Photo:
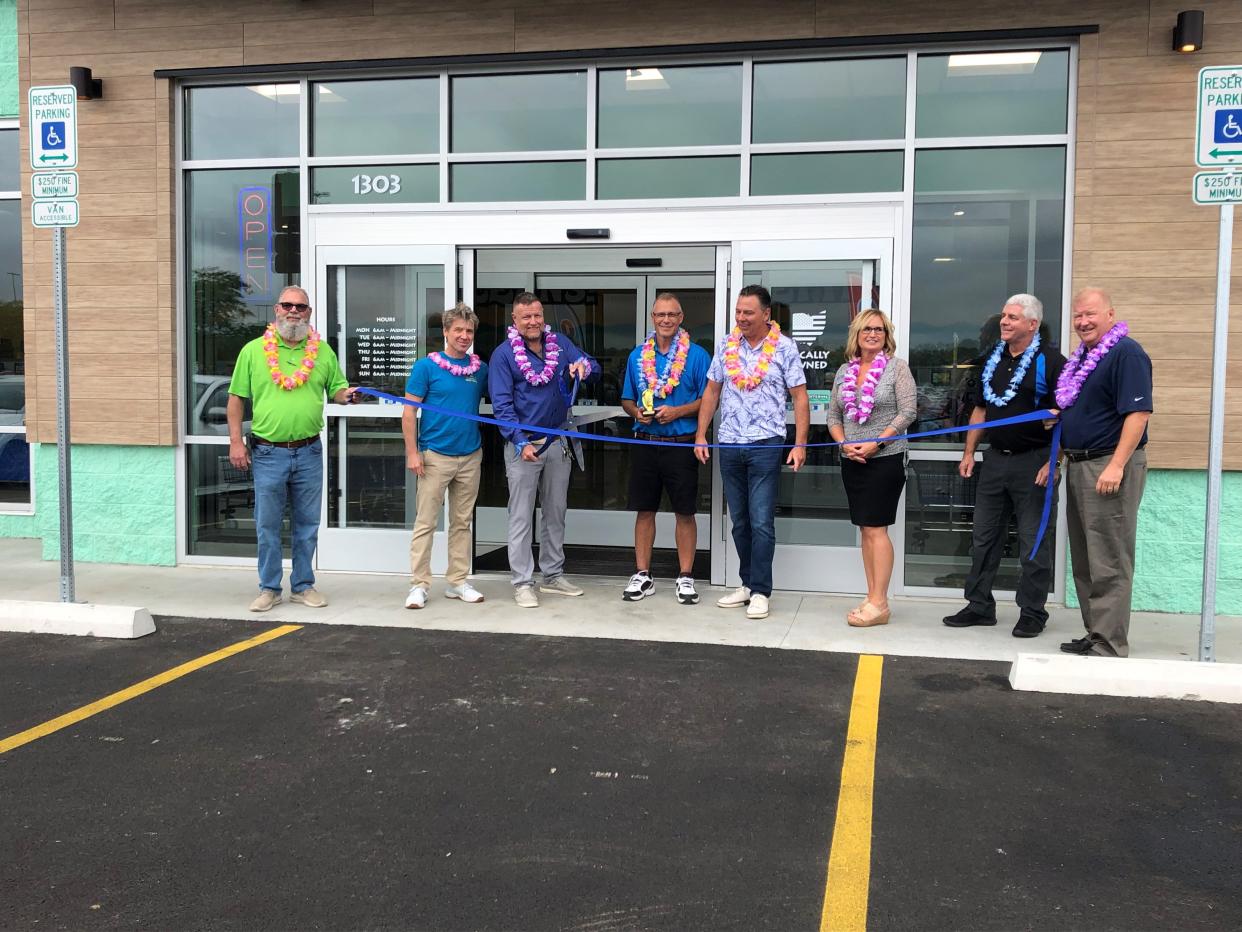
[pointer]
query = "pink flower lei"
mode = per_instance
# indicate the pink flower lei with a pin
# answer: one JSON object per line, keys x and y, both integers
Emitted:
{"x": 552, "y": 355}
{"x": 1077, "y": 368}
{"x": 272, "y": 355}
{"x": 449, "y": 366}
{"x": 858, "y": 400}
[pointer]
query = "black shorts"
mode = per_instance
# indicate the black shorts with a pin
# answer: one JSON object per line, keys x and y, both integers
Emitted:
{"x": 654, "y": 470}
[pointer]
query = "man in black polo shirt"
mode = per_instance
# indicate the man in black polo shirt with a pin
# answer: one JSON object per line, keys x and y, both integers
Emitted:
{"x": 1105, "y": 402}
{"x": 1019, "y": 377}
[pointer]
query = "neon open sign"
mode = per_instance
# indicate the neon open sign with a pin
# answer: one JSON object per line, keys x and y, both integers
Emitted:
{"x": 254, "y": 228}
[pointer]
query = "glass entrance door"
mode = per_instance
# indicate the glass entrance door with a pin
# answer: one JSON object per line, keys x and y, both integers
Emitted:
{"x": 376, "y": 305}
{"x": 817, "y": 288}
{"x": 601, "y": 299}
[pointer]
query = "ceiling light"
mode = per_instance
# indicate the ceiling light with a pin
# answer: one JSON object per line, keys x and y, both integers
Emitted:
{"x": 985, "y": 63}
{"x": 943, "y": 259}
{"x": 959, "y": 213}
{"x": 644, "y": 79}
{"x": 275, "y": 91}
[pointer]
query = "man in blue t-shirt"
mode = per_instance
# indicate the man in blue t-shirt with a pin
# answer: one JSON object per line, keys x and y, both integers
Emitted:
{"x": 1103, "y": 432}
{"x": 662, "y": 393}
{"x": 445, "y": 453}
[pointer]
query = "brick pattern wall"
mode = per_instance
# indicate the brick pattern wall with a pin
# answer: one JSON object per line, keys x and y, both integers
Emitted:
{"x": 1137, "y": 232}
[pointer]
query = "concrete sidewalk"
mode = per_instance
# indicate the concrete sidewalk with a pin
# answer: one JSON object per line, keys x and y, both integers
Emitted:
{"x": 799, "y": 621}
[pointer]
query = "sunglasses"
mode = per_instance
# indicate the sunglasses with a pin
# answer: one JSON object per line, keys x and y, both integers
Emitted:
{"x": 288, "y": 306}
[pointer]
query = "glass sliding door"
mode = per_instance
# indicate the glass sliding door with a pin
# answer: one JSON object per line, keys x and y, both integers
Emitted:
{"x": 817, "y": 288}
{"x": 379, "y": 307}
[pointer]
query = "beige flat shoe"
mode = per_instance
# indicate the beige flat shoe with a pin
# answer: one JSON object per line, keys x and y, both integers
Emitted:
{"x": 867, "y": 616}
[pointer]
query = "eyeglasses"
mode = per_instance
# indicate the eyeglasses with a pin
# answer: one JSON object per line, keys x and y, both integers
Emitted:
{"x": 666, "y": 315}
{"x": 879, "y": 330}
{"x": 288, "y": 306}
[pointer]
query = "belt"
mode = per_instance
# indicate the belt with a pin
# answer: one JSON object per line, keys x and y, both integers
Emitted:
{"x": 680, "y": 438}
{"x": 1016, "y": 452}
{"x": 287, "y": 444}
{"x": 1078, "y": 456}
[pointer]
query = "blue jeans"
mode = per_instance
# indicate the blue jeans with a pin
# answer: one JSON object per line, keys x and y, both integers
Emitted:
{"x": 751, "y": 481}
{"x": 295, "y": 477}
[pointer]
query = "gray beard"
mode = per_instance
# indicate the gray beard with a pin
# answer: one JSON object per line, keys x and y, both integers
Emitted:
{"x": 292, "y": 332}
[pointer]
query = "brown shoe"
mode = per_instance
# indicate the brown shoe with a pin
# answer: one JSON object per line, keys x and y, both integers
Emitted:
{"x": 311, "y": 598}
{"x": 868, "y": 616}
{"x": 266, "y": 600}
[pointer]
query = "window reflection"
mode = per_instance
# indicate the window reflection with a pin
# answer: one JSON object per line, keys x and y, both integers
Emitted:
{"x": 992, "y": 93}
{"x": 818, "y": 101}
{"x": 242, "y": 248}
{"x": 256, "y": 121}
{"x": 699, "y": 105}
{"x": 389, "y": 117}
{"x": 14, "y": 451}
{"x": 988, "y": 223}
{"x": 519, "y": 112}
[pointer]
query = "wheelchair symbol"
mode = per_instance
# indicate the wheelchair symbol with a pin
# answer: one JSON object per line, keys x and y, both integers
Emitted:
{"x": 1228, "y": 129}
{"x": 54, "y": 135}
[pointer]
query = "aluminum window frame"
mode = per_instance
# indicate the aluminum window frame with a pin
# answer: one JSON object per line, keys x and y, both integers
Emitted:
{"x": 16, "y": 508}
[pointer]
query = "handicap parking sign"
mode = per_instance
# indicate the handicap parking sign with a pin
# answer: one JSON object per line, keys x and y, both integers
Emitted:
{"x": 1228, "y": 126}
{"x": 54, "y": 135}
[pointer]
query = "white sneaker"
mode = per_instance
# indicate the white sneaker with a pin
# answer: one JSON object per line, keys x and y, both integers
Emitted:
{"x": 735, "y": 599}
{"x": 417, "y": 597}
{"x": 525, "y": 597}
{"x": 758, "y": 607}
{"x": 685, "y": 591}
{"x": 641, "y": 585}
{"x": 560, "y": 586}
{"x": 465, "y": 592}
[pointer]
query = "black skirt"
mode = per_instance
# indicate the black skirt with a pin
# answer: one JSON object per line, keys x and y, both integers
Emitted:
{"x": 874, "y": 488}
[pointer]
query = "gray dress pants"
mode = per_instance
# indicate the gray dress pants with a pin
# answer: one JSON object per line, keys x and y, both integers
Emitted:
{"x": 1102, "y": 531}
{"x": 547, "y": 477}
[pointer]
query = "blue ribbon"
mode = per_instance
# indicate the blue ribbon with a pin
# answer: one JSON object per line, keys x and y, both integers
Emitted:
{"x": 1041, "y": 415}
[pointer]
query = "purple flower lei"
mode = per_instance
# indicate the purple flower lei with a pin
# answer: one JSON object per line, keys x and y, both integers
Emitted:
{"x": 859, "y": 400}
{"x": 551, "y": 356}
{"x": 448, "y": 366}
{"x": 1077, "y": 368}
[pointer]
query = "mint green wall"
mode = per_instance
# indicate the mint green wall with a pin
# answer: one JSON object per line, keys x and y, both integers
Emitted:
{"x": 8, "y": 58}
{"x": 1168, "y": 570}
{"x": 124, "y": 504}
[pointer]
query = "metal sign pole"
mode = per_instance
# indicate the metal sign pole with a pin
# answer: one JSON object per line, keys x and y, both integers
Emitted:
{"x": 62, "y": 416}
{"x": 1216, "y": 436}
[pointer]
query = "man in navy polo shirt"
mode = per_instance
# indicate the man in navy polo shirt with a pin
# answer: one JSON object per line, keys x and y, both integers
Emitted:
{"x": 445, "y": 453}
{"x": 529, "y": 382}
{"x": 1104, "y": 394}
{"x": 664, "y": 382}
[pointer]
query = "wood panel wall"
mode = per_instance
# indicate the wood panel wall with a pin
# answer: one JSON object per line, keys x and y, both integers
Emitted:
{"x": 1136, "y": 230}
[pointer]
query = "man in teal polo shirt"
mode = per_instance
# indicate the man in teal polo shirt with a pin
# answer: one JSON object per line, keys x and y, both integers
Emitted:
{"x": 286, "y": 374}
{"x": 664, "y": 382}
{"x": 446, "y": 454}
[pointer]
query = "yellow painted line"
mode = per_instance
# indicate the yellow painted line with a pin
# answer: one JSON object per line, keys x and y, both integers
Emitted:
{"x": 849, "y": 863}
{"x": 132, "y": 692}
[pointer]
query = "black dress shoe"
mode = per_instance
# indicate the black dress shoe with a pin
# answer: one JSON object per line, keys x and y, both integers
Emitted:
{"x": 1077, "y": 646}
{"x": 1028, "y": 626}
{"x": 967, "y": 618}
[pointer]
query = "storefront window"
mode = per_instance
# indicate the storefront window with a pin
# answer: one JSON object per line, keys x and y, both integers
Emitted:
{"x": 827, "y": 101}
{"x": 242, "y": 248}
{"x": 257, "y": 121}
{"x": 825, "y": 173}
{"x": 518, "y": 181}
{"x": 14, "y": 451}
{"x": 988, "y": 223}
{"x": 689, "y": 106}
{"x": 992, "y": 93}
{"x": 519, "y": 112}
{"x": 714, "y": 176}
{"x": 392, "y": 117}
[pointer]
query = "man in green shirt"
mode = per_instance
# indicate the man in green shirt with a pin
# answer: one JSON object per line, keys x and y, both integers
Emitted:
{"x": 286, "y": 374}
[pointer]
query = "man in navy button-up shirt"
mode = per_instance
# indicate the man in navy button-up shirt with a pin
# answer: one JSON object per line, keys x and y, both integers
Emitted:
{"x": 529, "y": 386}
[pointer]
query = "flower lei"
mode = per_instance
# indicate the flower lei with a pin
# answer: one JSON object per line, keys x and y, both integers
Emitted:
{"x": 449, "y": 366}
{"x": 299, "y": 378}
{"x": 1076, "y": 370}
{"x": 1018, "y": 374}
{"x": 859, "y": 400}
{"x": 742, "y": 380}
{"x": 662, "y": 386}
{"x": 551, "y": 355}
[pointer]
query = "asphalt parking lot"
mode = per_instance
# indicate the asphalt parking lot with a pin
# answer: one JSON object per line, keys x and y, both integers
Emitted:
{"x": 351, "y": 778}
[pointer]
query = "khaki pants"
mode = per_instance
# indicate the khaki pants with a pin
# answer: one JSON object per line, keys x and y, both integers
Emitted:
{"x": 1102, "y": 530}
{"x": 460, "y": 476}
